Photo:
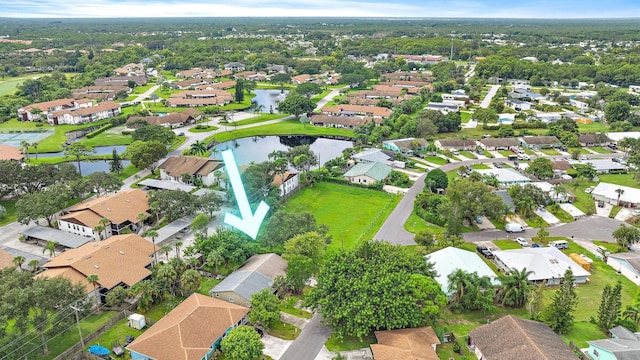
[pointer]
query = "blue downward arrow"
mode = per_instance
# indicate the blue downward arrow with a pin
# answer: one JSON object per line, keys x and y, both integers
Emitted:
{"x": 248, "y": 223}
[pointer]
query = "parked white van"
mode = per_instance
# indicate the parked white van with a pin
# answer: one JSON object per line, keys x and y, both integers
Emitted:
{"x": 513, "y": 227}
{"x": 559, "y": 244}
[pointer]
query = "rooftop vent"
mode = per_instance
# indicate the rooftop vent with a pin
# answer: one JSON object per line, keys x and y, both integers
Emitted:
{"x": 96, "y": 266}
{"x": 122, "y": 252}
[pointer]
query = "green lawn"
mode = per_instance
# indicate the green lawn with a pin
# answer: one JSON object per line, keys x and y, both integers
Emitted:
{"x": 349, "y": 343}
{"x": 10, "y": 215}
{"x": 487, "y": 154}
{"x": 288, "y": 306}
{"x": 593, "y": 127}
{"x": 581, "y": 150}
{"x": 416, "y": 224}
{"x": 549, "y": 152}
{"x": 283, "y": 330}
{"x": 505, "y": 153}
{"x": 560, "y": 214}
{"x": 68, "y": 339}
{"x": 9, "y": 84}
{"x": 319, "y": 97}
{"x": 468, "y": 154}
{"x": 619, "y": 179}
{"x": 352, "y": 213}
{"x": 536, "y": 221}
{"x": 141, "y": 89}
{"x": 289, "y": 127}
{"x": 260, "y": 118}
{"x": 465, "y": 116}
{"x": 583, "y": 200}
{"x": 614, "y": 211}
{"x": 507, "y": 244}
{"x": 118, "y": 333}
{"x": 435, "y": 160}
{"x": 207, "y": 129}
{"x": 601, "y": 150}
{"x": 107, "y": 139}
{"x": 480, "y": 166}
{"x": 206, "y": 284}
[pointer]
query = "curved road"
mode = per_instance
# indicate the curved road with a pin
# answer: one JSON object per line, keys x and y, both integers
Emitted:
{"x": 393, "y": 230}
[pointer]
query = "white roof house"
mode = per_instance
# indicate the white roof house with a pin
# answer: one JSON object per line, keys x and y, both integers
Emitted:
{"x": 549, "y": 189}
{"x": 506, "y": 177}
{"x": 617, "y": 136}
{"x": 607, "y": 192}
{"x": 450, "y": 259}
{"x": 546, "y": 263}
{"x": 602, "y": 166}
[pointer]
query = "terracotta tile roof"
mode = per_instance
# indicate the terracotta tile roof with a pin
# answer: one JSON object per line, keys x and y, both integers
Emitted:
{"x": 403, "y": 344}
{"x": 118, "y": 207}
{"x": 223, "y": 85}
{"x": 118, "y": 259}
{"x": 45, "y": 106}
{"x": 373, "y": 110}
{"x": 277, "y": 179}
{"x": 8, "y": 152}
{"x": 192, "y": 165}
{"x": 86, "y": 218}
{"x": 341, "y": 120}
{"x": 189, "y": 330}
{"x": 172, "y": 118}
{"x": 301, "y": 78}
{"x": 6, "y": 260}
{"x": 514, "y": 338}
{"x": 70, "y": 273}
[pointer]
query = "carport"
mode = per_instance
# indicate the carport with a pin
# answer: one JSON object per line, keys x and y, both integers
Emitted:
{"x": 165, "y": 185}
{"x": 66, "y": 239}
{"x": 166, "y": 232}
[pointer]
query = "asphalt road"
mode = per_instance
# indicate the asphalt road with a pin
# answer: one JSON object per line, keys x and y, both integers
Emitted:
{"x": 588, "y": 228}
{"x": 310, "y": 341}
{"x": 393, "y": 228}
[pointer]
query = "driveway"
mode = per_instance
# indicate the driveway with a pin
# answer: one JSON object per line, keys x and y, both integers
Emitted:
{"x": 274, "y": 346}
{"x": 624, "y": 214}
{"x": 548, "y": 217}
{"x": 310, "y": 341}
{"x": 486, "y": 224}
{"x": 603, "y": 211}
{"x": 487, "y": 99}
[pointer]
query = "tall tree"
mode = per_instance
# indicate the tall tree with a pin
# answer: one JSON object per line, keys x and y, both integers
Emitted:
{"x": 626, "y": 236}
{"x": 296, "y": 105}
{"x": 18, "y": 261}
{"x": 78, "y": 151}
{"x": 146, "y": 154}
{"x": 610, "y": 306}
{"x": 153, "y": 234}
{"x": 93, "y": 280}
{"x": 198, "y": 148}
{"x": 242, "y": 343}
{"x": 515, "y": 288}
{"x": 265, "y": 308}
{"x": 559, "y": 314}
{"x": 354, "y": 293}
{"x": 542, "y": 168}
{"x": 535, "y": 300}
{"x": 239, "y": 94}
{"x": 115, "y": 164}
{"x": 471, "y": 292}
{"x": 161, "y": 134}
{"x": 436, "y": 179}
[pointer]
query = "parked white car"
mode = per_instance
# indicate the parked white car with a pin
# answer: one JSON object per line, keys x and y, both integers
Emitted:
{"x": 522, "y": 241}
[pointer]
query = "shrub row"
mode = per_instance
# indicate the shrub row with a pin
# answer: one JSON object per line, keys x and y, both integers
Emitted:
{"x": 100, "y": 130}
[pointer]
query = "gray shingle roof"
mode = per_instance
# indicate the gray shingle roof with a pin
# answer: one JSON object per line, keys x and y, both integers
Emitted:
{"x": 254, "y": 275}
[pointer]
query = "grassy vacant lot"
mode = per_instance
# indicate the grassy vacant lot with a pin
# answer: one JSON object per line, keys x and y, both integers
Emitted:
{"x": 593, "y": 127}
{"x": 619, "y": 179}
{"x": 10, "y": 215}
{"x": 289, "y": 127}
{"x": 352, "y": 213}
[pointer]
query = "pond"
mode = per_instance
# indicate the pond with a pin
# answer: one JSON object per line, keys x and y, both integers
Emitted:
{"x": 256, "y": 149}
{"x": 89, "y": 167}
{"x": 269, "y": 99}
{"x": 98, "y": 150}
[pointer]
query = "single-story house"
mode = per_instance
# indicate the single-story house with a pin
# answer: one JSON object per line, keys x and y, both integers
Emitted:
{"x": 617, "y": 136}
{"x": 518, "y": 105}
{"x": 386, "y": 157}
{"x": 539, "y": 142}
{"x": 598, "y": 139}
{"x": 287, "y": 183}
{"x": 191, "y": 331}
{"x": 455, "y": 144}
{"x": 461, "y": 97}
{"x": 450, "y": 259}
{"x": 256, "y": 274}
{"x": 175, "y": 167}
{"x": 121, "y": 209}
{"x": 602, "y": 166}
{"x": 561, "y": 166}
{"x": 623, "y": 345}
{"x": 367, "y": 173}
{"x": 506, "y": 199}
{"x": 8, "y": 152}
{"x": 402, "y": 344}
{"x": 461, "y": 104}
{"x": 506, "y": 177}
{"x": 407, "y": 146}
{"x": 172, "y": 120}
{"x": 627, "y": 264}
{"x": 547, "y": 263}
{"x": 514, "y": 338}
{"x": 608, "y": 193}
{"x": 444, "y": 108}
{"x": 581, "y": 105}
{"x": 494, "y": 144}
{"x": 339, "y": 121}
{"x": 548, "y": 117}
{"x": 550, "y": 190}
{"x": 119, "y": 260}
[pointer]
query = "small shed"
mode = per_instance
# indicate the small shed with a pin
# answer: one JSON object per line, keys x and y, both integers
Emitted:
{"x": 137, "y": 321}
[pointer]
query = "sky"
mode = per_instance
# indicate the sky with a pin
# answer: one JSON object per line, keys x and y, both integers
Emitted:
{"x": 322, "y": 8}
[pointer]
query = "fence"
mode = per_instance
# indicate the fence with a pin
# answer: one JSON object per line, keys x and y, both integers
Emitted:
{"x": 73, "y": 351}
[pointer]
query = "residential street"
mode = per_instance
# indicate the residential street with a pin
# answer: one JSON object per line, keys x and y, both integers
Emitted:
{"x": 309, "y": 342}
{"x": 393, "y": 228}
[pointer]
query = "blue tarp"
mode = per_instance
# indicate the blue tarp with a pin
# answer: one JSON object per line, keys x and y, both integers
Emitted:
{"x": 98, "y": 350}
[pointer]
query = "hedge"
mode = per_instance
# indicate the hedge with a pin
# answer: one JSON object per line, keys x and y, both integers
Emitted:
{"x": 100, "y": 130}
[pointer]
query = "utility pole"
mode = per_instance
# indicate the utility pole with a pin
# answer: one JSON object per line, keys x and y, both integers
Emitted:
{"x": 453, "y": 34}
{"x": 78, "y": 322}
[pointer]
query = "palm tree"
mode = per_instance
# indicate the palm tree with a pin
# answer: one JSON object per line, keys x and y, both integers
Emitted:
{"x": 18, "y": 261}
{"x": 559, "y": 192}
{"x": 34, "y": 264}
{"x": 25, "y": 149}
{"x": 35, "y": 146}
{"x": 51, "y": 247}
{"x": 78, "y": 151}
{"x": 166, "y": 249}
{"x": 215, "y": 258}
{"x": 177, "y": 245}
{"x": 153, "y": 234}
{"x": 93, "y": 280}
{"x": 526, "y": 205}
{"x": 141, "y": 217}
{"x": 198, "y": 148}
{"x": 459, "y": 280}
{"x": 98, "y": 229}
{"x": 104, "y": 222}
{"x": 515, "y": 287}
{"x": 619, "y": 192}
{"x": 155, "y": 207}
